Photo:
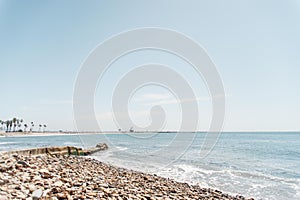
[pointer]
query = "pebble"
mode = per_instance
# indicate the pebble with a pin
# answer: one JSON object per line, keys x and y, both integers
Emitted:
{"x": 37, "y": 194}
{"x": 58, "y": 184}
{"x": 73, "y": 177}
{"x": 21, "y": 162}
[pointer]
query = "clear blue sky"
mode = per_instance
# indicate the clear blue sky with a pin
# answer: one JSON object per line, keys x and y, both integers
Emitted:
{"x": 255, "y": 45}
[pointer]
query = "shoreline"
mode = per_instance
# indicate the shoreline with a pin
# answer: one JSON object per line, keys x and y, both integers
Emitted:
{"x": 27, "y": 134}
{"x": 76, "y": 177}
{"x": 59, "y": 133}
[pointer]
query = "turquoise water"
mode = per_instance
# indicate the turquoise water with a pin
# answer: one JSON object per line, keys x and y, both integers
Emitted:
{"x": 259, "y": 165}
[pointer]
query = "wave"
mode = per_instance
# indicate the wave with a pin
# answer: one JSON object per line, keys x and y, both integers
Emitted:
{"x": 121, "y": 148}
{"x": 250, "y": 183}
{"x": 72, "y": 143}
{"x": 1, "y": 143}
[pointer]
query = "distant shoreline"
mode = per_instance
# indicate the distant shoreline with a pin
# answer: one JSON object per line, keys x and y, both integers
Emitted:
{"x": 53, "y": 133}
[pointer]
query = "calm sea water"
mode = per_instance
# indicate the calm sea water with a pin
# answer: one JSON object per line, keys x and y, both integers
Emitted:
{"x": 259, "y": 165}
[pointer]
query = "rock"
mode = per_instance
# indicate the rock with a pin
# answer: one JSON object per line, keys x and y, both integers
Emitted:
{"x": 72, "y": 177}
{"x": 21, "y": 195}
{"x": 26, "y": 191}
{"x": 102, "y": 146}
{"x": 46, "y": 192}
{"x": 31, "y": 187}
{"x": 2, "y": 182}
{"x": 3, "y": 197}
{"x": 2, "y": 169}
{"x": 103, "y": 185}
{"x": 21, "y": 162}
{"x": 37, "y": 194}
{"x": 44, "y": 171}
{"x": 58, "y": 183}
{"x": 62, "y": 195}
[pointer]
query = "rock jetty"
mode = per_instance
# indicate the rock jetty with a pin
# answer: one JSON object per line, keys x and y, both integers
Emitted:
{"x": 75, "y": 177}
{"x": 65, "y": 150}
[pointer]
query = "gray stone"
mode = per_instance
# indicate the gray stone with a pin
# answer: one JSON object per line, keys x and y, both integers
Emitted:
{"x": 37, "y": 194}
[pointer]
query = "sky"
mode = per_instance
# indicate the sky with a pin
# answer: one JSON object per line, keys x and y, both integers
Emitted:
{"x": 254, "y": 44}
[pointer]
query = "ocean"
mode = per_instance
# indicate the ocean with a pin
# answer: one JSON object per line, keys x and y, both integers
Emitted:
{"x": 262, "y": 165}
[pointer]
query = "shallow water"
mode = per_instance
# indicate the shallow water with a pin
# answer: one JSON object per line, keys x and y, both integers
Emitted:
{"x": 259, "y": 165}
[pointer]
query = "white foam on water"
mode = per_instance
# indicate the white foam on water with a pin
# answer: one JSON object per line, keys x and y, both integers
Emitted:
{"x": 121, "y": 148}
{"x": 1, "y": 143}
{"x": 72, "y": 143}
{"x": 232, "y": 181}
{"x": 297, "y": 189}
{"x": 249, "y": 184}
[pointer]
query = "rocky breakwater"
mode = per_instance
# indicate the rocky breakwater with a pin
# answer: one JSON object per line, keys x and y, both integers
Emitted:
{"x": 65, "y": 150}
{"x": 75, "y": 177}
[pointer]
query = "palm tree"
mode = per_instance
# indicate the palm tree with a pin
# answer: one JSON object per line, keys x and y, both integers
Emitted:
{"x": 20, "y": 125}
{"x": 44, "y": 127}
{"x": 14, "y": 123}
{"x": 17, "y": 124}
{"x": 32, "y": 125}
{"x": 10, "y": 123}
{"x": 40, "y": 127}
{"x": 7, "y": 125}
{"x": 25, "y": 127}
{"x": 2, "y": 124}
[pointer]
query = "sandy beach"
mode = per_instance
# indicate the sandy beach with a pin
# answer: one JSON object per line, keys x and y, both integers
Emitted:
{"x": 74, "y": 177}
{"x": 16, "y": 134}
